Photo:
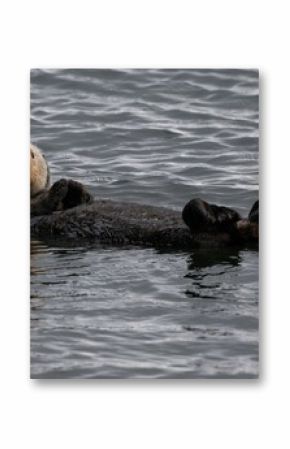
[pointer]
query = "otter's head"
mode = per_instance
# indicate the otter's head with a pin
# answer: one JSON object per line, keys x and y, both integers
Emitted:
{"x": 39, "y": 173}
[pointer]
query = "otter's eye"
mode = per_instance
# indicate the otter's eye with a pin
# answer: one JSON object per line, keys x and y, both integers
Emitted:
{"x": 32, "y": 154}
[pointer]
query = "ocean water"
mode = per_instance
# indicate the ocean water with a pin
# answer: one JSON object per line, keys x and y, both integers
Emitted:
{"x": 155, "y": 137}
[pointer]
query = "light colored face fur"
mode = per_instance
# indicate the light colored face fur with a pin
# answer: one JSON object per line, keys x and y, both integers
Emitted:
{"x": 39, "y": 174}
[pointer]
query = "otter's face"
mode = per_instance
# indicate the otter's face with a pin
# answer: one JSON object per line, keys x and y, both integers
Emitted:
{"x": 39, "y": 175}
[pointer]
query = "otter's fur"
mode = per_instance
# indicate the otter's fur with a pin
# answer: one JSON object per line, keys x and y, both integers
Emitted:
{"x": 67, "y": 210}
{"x": 63, "y": 194}
{"x": 118, "y": 223}
{"x": 39, "y": 172}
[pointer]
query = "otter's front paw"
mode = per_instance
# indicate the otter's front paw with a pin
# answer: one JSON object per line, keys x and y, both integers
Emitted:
{"x": 57, "y": 194}
{"x": 76, "y": 195}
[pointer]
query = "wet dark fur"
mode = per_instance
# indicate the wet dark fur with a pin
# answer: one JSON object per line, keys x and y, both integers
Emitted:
{"x": 68, "y": 211}
{"x": 64, "y": 194}
{"x": 199, "y": 215}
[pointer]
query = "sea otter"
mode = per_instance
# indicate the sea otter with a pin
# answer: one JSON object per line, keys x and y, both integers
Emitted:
{"x": 61, "y": 196}
{"x": 67, "y": 210}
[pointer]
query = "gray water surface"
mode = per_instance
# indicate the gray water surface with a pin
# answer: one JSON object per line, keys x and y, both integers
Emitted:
{"x": 155, "y": 137}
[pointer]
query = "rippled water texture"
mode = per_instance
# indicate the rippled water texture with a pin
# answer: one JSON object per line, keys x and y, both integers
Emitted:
{"x": 156, "y": 137}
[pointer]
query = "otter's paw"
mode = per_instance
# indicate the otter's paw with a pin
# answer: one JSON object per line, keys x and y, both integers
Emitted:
{"x": 201, "y": 216}
{"x": 225, "y": 217}
{"x": 76, "y": 195}
{"x": 198, "y": 215}
{"x": 57, "y": 194}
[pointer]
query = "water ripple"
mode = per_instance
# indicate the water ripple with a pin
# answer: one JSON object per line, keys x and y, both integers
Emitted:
{"x": 150, "y": 136}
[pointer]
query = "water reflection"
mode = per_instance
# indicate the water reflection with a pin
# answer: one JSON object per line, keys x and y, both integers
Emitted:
{"x": 208, "y": 257}
{"x": 191, "y": 313}
{"x": 207, "y": 269}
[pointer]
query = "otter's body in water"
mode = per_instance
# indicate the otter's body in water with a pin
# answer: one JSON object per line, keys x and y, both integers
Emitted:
{"x": 115, "y": 223}
{"x": 119, "y": 223}
{"x": 68, "y": 211}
